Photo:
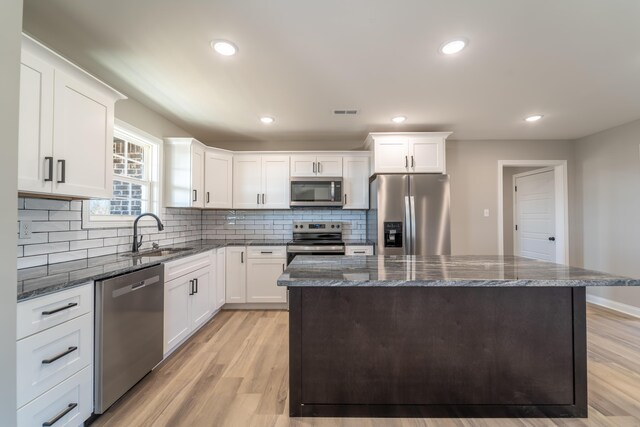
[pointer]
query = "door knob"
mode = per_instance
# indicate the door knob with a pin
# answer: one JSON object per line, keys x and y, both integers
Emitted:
{"x": 553, "y": 239}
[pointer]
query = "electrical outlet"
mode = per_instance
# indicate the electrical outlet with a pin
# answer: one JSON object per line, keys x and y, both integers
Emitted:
{"x": 25, "y": 229}
{"x": 486, "y": 212}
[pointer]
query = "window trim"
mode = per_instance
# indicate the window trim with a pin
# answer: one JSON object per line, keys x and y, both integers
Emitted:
{"x": 129, "y": 132}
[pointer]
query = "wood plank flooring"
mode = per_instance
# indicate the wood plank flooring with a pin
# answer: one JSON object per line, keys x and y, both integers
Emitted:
{"x": 233, "y": 372}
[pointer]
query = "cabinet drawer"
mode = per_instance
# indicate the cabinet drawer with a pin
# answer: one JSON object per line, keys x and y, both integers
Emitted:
{"x": 358, "y": 250}
{"x": 44, "y": 312}
{"x": 266, "y": 252}
{"x": 180, "y": 267}
{"x": 50, "y": 357}
{"x": 71, "y": 400}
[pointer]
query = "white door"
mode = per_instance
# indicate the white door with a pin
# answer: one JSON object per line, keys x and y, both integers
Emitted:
{"x": 426, "y": 154}
{"x": 535, "y": 215}
{"x": 200, "y": 308}
{"x": 329, "y": 166}
{"x": 220, "y": 278}
{"x": 275, "y": 182}
{"x": 218, "y": 173}
{"x": 391, "y": 155}
{"x": 82, "y": 140}
{"x": 236, "y": 274}
{"x": 262, "y": 276}
{"x": 247, "y": 178}
{"x": 197, "y": 176}
{"x": 303, "y": 165}
{"x": 177, "y": 324}
{"x": 356, "y": 182}
{"x": 35, "y": 145}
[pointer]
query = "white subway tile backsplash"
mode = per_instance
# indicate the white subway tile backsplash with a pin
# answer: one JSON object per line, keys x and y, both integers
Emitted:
{"x": 58, "y": 235}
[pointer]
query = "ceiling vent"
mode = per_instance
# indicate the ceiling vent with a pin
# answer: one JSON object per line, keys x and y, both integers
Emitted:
{"x": 352, "y": 112}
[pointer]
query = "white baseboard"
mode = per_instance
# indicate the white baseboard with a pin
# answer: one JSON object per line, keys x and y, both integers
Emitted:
{"x": 614, "y": 305}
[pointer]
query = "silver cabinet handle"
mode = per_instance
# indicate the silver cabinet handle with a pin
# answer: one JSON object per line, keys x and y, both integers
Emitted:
{"x": 63, "y": 171}
{"x": 207, "y": 197}
{"x": 195, "y": 195}
{"x": 314, "y": 167}
{"x": 406, "y": 161}
{"x": 359, "y": 252}
{"x": 412, "y": 162}
{"x": 319, "y": 166}
{"x": 242, "y": 257}
{"x": 56, "y": 310}
{"x": 57, "y": 418}
{"x": 263, "y": 198}
{"x": 266, "y": 252}
{"x": 191, "y": 292}
{"x": 258, "y": 199}
{"x": 50, "y": 173}
{"x": 345, "y": 198}
{"x": 283, "y": 268}
{"x": 195, "y": 282}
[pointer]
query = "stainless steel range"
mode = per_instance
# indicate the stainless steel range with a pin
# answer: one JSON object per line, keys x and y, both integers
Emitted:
{"x": 315, "y": 238}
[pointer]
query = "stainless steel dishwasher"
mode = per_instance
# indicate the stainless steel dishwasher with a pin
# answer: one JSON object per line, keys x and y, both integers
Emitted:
{"x": 128, "y": 332}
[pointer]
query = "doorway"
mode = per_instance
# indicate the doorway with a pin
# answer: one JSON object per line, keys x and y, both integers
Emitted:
{"x": 556, "y": 250}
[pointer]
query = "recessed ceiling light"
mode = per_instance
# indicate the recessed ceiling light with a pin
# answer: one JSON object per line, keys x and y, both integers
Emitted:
{"x": 453, "y": 46}
{"x": 224, "y": 47}
{"x": 533, "y": 118}
{"x": 267, "y": 120}
{"x": 398, "y": 119}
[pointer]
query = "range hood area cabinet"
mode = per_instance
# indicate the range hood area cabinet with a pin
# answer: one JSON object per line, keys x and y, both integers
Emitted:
{"x": 66, "y": 127}
{"x": 261, "y": 181}
{"x": 196, "y": 176}
{"x": 408, "y": 152}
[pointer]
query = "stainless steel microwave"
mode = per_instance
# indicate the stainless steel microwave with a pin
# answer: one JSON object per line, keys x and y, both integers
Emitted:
{"x": 319, "y": 192}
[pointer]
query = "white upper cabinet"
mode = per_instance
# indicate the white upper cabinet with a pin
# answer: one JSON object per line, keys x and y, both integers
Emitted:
{"x": 261, "y": 182}
{"x": 218, "y": 176}
{"x": 356, "y": 182}
{"x": 247, "y": 177}
{"x": 312, "y": 165}
{"x": 184, "y": 174}
{"x": 66, "y": 127}
{"x": 408, "y": 152}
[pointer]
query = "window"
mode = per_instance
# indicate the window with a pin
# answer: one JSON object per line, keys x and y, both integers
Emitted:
{"x": 135, "y": 179}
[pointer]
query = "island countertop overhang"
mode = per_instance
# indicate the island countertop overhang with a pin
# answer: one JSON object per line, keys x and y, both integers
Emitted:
{"x": 440, "y": 271}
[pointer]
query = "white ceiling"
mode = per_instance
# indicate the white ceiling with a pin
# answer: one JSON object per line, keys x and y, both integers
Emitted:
{"x": 575, "y": 61}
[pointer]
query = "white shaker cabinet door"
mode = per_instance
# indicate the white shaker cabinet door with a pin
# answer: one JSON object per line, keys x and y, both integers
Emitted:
{"x": 329, "y": 166}
{"x": 275, "y": 182}
{"x": 218, "y": 173}
{"x": 426, "y": 155}
{"x": 236, "y": 274}
{"x": 356, "y": 183}
{"x": 177, "y": 324}
{"x": 303, "y": 166}
{"x": 197, "y": 176}
{"x": 262, "y": 276}
{"x": 82, "y": 139}
{"x": 247, "y": 178}
{"x": 391, "y": 155}
{"x": 200, "y": 288}
{"x": 35, "y": 147}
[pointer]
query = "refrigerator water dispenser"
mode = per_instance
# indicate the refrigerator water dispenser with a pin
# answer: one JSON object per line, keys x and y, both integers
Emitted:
{"x": 392, "y": 234}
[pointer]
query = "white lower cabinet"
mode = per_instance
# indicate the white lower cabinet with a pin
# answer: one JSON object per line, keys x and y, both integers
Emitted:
{"x": 187, "y": 303}
{"x": 54, "y": 371}
{"x": 252, "y": 274}
{"x": 236, "y": 274}
{"x": 69, "y": 403}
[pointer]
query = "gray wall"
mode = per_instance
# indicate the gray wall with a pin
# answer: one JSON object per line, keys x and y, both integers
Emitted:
{"x": 473, "y": 166}
{"x": 608, "y": 206}
{"x": 10, "y": 27}
{"x": 138, "y": 115}
{"x": 507, "y": 192}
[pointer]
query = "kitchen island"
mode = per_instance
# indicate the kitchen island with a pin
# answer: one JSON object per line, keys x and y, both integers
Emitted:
{"x": 438, "y": 336}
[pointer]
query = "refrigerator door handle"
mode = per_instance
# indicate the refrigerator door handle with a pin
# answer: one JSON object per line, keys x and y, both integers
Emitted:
{"x": 412, "y": 202}
{"x": 407, "y": 226}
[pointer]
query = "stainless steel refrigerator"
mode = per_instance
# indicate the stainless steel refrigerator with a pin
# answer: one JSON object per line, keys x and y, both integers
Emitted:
{"x": 409, "y": 214}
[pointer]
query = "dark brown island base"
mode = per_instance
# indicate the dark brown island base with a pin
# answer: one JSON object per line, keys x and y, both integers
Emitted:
{"x": 438, "y": 336}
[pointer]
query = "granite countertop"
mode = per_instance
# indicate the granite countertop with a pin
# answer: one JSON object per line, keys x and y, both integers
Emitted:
{"x": 451, "y": 270}
{"x": 37, "y": 281}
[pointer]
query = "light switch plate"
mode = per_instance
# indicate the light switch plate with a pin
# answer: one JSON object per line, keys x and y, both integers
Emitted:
{"x": 486, "y": 212}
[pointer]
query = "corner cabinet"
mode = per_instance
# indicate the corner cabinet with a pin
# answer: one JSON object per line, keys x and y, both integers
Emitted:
{"x": 65, "y": 125}
{"x": 408, "y": 152}
{"x": 261, "y": 182}
{"x": 252, "y": 273}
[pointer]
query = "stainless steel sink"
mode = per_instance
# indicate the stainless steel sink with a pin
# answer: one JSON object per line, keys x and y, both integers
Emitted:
{"x": 157, "y": 252}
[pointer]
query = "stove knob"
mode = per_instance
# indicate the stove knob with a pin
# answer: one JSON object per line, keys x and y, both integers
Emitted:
{"x": 333, "y": 226}
{"x": 338, "y": 225}
{"x": 295, "y": 226}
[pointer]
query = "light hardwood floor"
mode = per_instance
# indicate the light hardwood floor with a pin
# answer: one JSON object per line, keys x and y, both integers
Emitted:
{"x": 233, "y": 372}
